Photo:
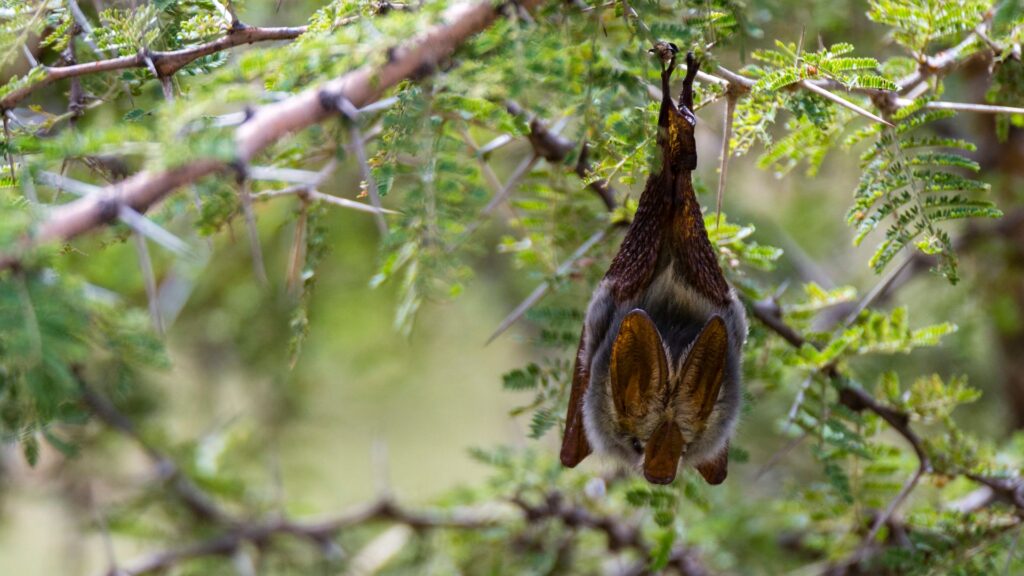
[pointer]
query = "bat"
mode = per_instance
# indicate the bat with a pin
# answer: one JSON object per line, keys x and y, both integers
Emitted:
{"x": 656, "y": 383}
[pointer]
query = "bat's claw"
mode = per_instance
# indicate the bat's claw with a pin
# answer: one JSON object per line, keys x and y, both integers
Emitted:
{"x": 664, "y": 50}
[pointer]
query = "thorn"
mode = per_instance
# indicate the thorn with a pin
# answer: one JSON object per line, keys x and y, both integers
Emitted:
{"x": 298, "y": 251}
{"x": 152, "y": 230}
{"x": 133, "y": 219}
{"x": 292, "y": 175}
{"x": 964, "y": 107}
{"x": 843, "y": 102}
{"x": 520, "y": 171}
{"x": 346, "y": 203}
{"x": 356, "y": 142}
{"x": 543, "y": 288}
{"x": 149, "y": 280}
{"x": 730, "y": 109}
{"x": 254, "y": 235}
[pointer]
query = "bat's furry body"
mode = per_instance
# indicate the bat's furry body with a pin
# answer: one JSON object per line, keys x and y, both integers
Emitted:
{"x": 666, "y": 268}
{"x": 679, "y": 312}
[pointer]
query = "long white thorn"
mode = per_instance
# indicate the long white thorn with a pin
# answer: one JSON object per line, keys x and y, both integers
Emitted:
{"x": 346, "y": 203}
{"x": 149, "y": 280}
{"x": 843, "y": 102}
{"x": 254, "y": 235}
{"x": 730, "y": 109}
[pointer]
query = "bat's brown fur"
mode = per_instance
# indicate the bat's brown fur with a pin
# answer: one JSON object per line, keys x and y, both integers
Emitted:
{"x": 667, "y": 268}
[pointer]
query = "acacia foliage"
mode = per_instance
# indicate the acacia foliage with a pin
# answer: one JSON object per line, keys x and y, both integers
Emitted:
{"x": 430, "y": 158}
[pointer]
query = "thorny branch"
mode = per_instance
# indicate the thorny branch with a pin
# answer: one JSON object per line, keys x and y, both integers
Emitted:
{"x": 360, "y": 88}
{"x": 319, "y": 533}
{"x": 234, "y": 533}
{"x": 1010, "y": 490}
{"x": 620, "y": 535}
{"x": 193, "y": 497}
{"x": 164, "y": 64}
{"x": 269, "y": 123}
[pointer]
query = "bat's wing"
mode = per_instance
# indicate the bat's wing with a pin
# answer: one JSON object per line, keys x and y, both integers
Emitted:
{"x": 715, "y": 470}
{"x": 575, "y": 446}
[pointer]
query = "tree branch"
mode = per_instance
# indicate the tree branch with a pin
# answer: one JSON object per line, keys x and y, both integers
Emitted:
{"x": 619, "y": 536}
{"x": 194, "y": 498}
{"x": 1010, "y": 490}
{"x": 319, "y": 532}
{"x": 555, "y": 149}
{"x": 164, "y": 63}
{"x": 411, "y": 59}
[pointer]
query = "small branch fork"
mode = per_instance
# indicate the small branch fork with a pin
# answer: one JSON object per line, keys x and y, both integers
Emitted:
{"x": 620, "y": 536}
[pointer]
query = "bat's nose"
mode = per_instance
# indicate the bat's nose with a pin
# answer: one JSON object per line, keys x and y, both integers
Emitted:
{"x": 655, "y": 479}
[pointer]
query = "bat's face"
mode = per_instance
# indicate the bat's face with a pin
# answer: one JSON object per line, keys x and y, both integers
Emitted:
{"x": 656, "y": 408}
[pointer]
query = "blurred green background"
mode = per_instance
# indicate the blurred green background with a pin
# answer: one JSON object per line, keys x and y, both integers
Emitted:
{"x": 365, "y": 404}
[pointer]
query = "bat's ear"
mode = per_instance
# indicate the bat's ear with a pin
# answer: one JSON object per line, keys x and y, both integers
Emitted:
{"x": 701, "y": 377}
{"x": 639, "y": 369}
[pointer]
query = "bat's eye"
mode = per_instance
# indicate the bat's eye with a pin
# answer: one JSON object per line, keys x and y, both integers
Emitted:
{"x": 638, "y": 447}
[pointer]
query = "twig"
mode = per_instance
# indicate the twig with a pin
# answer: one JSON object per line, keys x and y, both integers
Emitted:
{"x": 543, "y": 288}
{"x": 163, "y": 64}
{"x": 191, "y": 495}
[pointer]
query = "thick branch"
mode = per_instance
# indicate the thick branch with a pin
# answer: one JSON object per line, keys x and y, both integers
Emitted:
{"x": 319, "y": 532}
{"x": 411, "y": 59}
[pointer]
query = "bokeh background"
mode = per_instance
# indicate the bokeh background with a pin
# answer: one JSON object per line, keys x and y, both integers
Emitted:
{"x": 366, "y": 407}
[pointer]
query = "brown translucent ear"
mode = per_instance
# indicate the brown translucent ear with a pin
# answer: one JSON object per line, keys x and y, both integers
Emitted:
{"x": 575, "y": 446}
{"x": 662, "y": 453}
{"x": 639, "y": 369}
{"x": 704, "y": 369}
{"x": 715, "y": 470}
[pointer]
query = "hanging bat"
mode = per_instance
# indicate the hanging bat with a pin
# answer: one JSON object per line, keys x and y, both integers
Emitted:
{"x": 657, "y": 375}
